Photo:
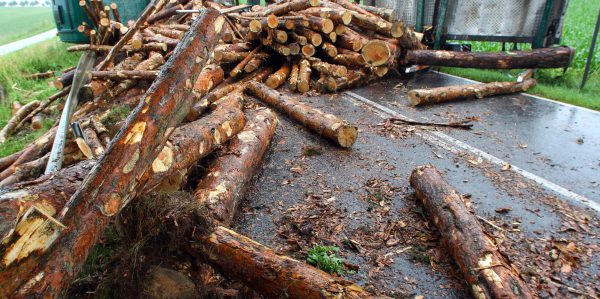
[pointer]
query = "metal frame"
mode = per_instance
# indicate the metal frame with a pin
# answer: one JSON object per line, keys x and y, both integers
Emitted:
{"x": 538, "y": 41}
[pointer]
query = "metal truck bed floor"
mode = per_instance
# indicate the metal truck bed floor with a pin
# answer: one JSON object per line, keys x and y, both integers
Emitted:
{"x": 310, "y": 192}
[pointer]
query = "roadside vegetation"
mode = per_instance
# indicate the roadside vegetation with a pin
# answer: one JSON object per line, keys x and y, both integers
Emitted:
{"x": 46, "y": 56}
{"x": 554, "y": 83}
{"x": 22, "y": 22}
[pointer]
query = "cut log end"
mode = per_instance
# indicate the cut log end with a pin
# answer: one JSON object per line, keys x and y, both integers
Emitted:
{"x": 347, "y": 135}
{"x": 376, "y": 52}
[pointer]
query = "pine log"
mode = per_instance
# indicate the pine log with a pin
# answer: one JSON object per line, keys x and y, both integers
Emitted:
{"x": 319, "y": 24}
{"x": 294, "y": 73}
{"x": 304, "y": 72}
{"x": 43, "y": 105}
{"x": 558, "y": 57}
{"x": 418, "y": 97}
{"x": 300, "y": 39}
{"x": 164, "y": 14}
{"x": 16, "y": 106}
{"x": 37, "y": 122}
{"x": 7, "y": 161}
{"x": 294, "y": 48}
{"x": 26, "y": 171}
{"x": 229, "y": 85}
{"x": 351, "y": 40}
{"x": 38, "y": 76}
{"x": 308, "y": 51}
{"x": 64, "y": 80}
{"x": 282, "y": 8}
{"x": 354, "y": 78}
{"x": 338, "y": 16}
{"x": 487, "y": 272}
{"x": 329, "y": 49}
{"x": 56, "y": 253}
{"x": 240, "y": 66}
{"x": 170, "y": 42}
{"x": 385, "y": 13}
{"x": 92, "y": 139}
{"x": 50, "y": 192}
{"x": 324, "y": 124}
{"x": 327, "y": 69}
{"x": 314, "y": 38}
{"x": 12, "y": 123}
{"x": 267, "y": 272}
{"x": 121, "y": 75}
{"x": 154, "y": 60}
{"x": 353, "y": 60}
{"x": 115, "y": 11}
{"x": 278, "y": 78}
{"x": 221, "y": 190}
{"x": 141, "y": 21}
{"x": 379, "y": 52}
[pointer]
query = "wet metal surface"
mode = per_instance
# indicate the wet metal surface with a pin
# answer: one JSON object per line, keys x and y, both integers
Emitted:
{"x": 549, "y": 130}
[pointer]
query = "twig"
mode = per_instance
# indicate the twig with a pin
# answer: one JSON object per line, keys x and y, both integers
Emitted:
{"x": 490, "y": 223}
{"x": 463, "y": 124}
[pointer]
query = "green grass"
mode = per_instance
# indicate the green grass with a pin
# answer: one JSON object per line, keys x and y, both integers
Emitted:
{"x": 48, "y": 55}
{"x": 553, "y": 83}
{"x": 326, "y": 259}
{"x": 21, "y": 22}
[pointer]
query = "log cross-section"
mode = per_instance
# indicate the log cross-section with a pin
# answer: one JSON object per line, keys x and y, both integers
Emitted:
{"x": 488, "y": 273}
{"x": 56, "y": 248}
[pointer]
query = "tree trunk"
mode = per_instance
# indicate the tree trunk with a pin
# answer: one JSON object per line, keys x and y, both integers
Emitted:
{"x": 294, "y": 77}
{"x": 12, "y": 123}
{"x": 418, "y": 97}
{"x": 188, "y": 144}
{"x": 278, "y": 78}
{"x": 140, "y": 22}
{"x": 221, "y": 190}
{"x": 488, "y": 273}
{"x": 121, "y": 75}
{"x": 267, "y": 272}
{"x": 323, "y": 124}
{"x": 56, "y": 253}
{"x": 558, "y": 57}
{"x": 164, "y": 14}
{"x": 303, "y": 83}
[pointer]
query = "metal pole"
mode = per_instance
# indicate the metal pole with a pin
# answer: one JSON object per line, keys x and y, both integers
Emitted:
{"x": 591, "y": 54}
{"x": 86, "y": 62}
{"x": 441, "y": 10}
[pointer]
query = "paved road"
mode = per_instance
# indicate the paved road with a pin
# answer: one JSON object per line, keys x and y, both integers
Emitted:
{"x": 299, "y": 200}
{"x": 20, "y": 44}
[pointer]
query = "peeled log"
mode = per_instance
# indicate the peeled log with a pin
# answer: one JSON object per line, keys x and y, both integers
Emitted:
{"x": 270, "y": 274}
{"x": 323, "y": 124}
{"x": 485, "y": 269}
{"x": 221, "y": 190}
{"x": 558, "y": 57}
{"x": 55, "y": 253}
{"x": 418, "y": 97}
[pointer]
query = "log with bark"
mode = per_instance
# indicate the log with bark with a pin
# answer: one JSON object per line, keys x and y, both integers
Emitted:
{"x": 14, "y": 121}
{"x": 486, "y": 270}
{"x": 222, "y": 188}
{"x": 56, "y": 253}
{"x": 558, "y": 57}
{"x": 418, "y": 97}
{"x": 327, "y": 125}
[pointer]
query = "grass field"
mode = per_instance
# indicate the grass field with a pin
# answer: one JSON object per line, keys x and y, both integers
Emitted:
{"x": 577, "y": 32}
{"x": 55, "y": 58}
{"x": 21, "y": 22}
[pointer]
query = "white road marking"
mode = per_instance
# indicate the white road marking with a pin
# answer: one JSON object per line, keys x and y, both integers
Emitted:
{"x": 455, "y": 146}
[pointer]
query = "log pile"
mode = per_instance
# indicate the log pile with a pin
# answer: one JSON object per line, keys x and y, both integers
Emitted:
{"x": 185, "y": 82}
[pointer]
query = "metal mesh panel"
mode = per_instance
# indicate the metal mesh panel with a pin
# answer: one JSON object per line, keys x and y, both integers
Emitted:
{"x": 494, "y": 17}
{"x": 406, "y": 10}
